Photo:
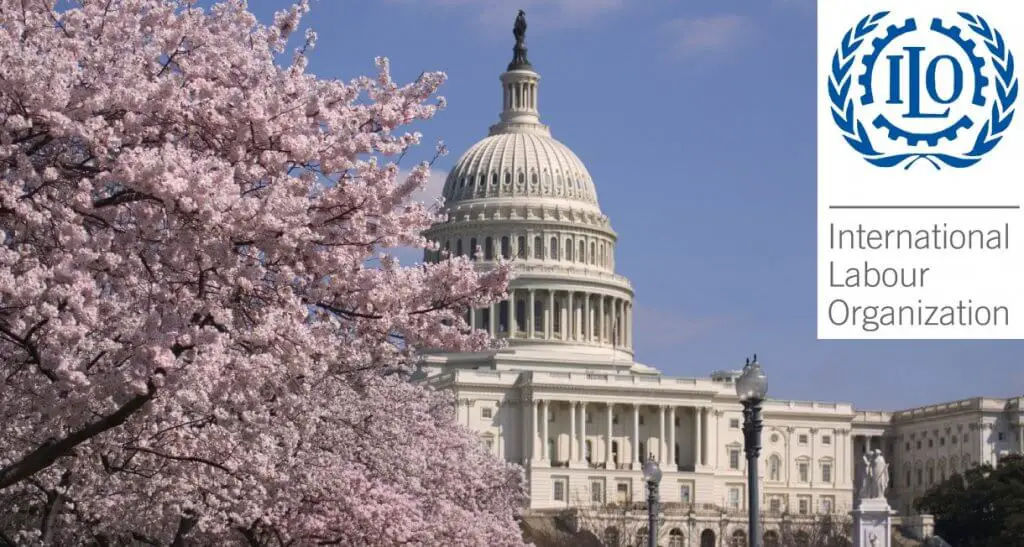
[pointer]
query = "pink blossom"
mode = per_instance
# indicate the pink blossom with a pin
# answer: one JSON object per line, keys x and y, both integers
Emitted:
{"x": 199, "y": 341}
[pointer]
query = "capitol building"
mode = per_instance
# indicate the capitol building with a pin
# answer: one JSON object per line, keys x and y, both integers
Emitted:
{"x": 566, "y": 399}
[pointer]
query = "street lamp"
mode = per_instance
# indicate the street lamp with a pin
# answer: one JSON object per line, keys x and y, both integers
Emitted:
{"x": 751, "y": 387}
{"x": 652, "y": 474}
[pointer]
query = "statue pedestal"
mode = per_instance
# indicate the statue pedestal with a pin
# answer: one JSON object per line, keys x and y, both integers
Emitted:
{"x": 872, "y": 523}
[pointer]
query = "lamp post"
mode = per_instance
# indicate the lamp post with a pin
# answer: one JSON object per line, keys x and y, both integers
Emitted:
{"x": 751, "y": 387}
{"x": 652, "y": 474}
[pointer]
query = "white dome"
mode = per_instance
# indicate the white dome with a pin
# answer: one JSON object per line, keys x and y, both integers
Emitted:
{"x": 521, "y": 196}
{"x": 520, "y": 165}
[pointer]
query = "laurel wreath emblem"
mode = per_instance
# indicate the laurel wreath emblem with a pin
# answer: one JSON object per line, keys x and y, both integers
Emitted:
{"x": 844, "y": 112}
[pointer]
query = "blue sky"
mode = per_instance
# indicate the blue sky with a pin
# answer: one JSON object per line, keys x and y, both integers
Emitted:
{"x": 696, "y": 121}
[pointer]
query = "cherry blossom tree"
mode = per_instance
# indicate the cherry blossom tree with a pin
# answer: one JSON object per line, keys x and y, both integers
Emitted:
{"x": 202, "y": 340}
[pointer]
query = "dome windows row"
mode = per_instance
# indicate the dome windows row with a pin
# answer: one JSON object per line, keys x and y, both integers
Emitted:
{"x": 468, "y": 186}
{"x": 573, "y": 249}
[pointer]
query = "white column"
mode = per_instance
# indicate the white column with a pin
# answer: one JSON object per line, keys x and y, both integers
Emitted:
{"x": 533, "y": 431}
{"x": 551, "y": 316}
{"x": 629, "y": 323}
{"x": 608, "y": 440}
{"x": 570, "y": 321}
{"x": 1020, "y": 439}
{"x": 583, "y": 431}
{"x": 529, "y": 315}
{"x": 491, "y": 318}
{"x": 814, "y": 461}
{"x": 587, "y": 328}
{"x": 613, "y": 319}
{"x": 544, "y": 437}
{"x": 636, "y": 437}
{"x": 698, "y": 450}
{"x": 573, "y": 454}
{"x": 672, "y": 438}
{"x": 661, "y": 435}
{"x": 527, "y": 445}
{"x": 510, "y": 313}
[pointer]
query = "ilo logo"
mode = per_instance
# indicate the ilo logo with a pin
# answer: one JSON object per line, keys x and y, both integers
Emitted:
{"x": 923, "y": 89}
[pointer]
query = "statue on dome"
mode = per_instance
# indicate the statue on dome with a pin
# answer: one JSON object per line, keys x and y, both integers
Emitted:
{"x": 519, "y": 51}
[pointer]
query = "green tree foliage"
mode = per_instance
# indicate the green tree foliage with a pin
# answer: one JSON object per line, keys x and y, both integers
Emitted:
{"x": 983, "y": 507}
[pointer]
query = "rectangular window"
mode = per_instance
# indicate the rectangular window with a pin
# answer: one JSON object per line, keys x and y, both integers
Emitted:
{"x": 775, "y": 506}
{"x": 597, "y": 491}
{"x": 826, "y": 439}
{"x": 734, "y": 458}
{"x": 734, "y": 498}
{"x": 559, "y": 493}
{"x": 489, "y": 443}
{"x": 641, "y": 420}
{"x": 804, "y": 505}
{"x": 734, "y": 423}
{"x": 684, "y": 493}
{"x": 485, "y": 412}
{"x": 826, "y": 472}
{"x": 1002, "y": 436}
{"x": 826, "y": 505}
{"x": 802, "y": 439}
{"x": 802, "y": 469}
{"x": 622, "y": 493}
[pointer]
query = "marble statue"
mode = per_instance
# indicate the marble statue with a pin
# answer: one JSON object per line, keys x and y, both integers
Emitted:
{"x": 876, "y": 475}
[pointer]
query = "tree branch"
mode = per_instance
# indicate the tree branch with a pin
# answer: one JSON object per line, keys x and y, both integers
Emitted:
{"x": 48, "y": 453}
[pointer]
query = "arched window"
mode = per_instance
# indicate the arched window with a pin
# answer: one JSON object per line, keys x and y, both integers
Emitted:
{"x": 774, "y": 468}
{"x": 521, "y": 246}
{"x": 521, "y": 314}
{"x": 494, "y": 179}
{"x": 458, "y": 247}
{"x": 588, "y": 446}
{"x": 554, "y": 248}
{"x": 488, "y": 248}
{"x": 738, "y": 539}
{"x": 533, "y": 178}
{"x": 592, "y": 253}
{"x": 538, "y": 316}
{"x": 707, "y": 538}
{"x": 803, "y": 539}
{"x": 473, "y": 248}
{"x": 508, "y": 178}
{"x": 506, "y": 247}
{"x": 676, "y": 538}
{"x": 580, "y": 255}
{"x": 568, "y": 249}
{"x": 538, "y": 247}
{"x": 556, "y": 314}
{"x": 771, "y": 539}
{"x": 522, "y": 178}
{"x": 615, "y": 452}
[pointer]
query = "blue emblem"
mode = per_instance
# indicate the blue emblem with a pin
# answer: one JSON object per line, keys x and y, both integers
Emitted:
{"x": 927, "y": 90}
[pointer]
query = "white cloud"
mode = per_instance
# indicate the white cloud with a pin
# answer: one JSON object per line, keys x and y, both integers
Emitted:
{"x": 431, "y": 191}
{"x": 695, "y": 36}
